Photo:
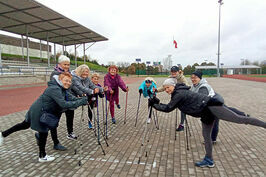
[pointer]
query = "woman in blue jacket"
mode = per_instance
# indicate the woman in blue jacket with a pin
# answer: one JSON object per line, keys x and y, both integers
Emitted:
{"x": 148, "y": 88}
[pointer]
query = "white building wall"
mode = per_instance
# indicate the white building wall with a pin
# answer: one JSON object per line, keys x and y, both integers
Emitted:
{"x": 14, "y": 50}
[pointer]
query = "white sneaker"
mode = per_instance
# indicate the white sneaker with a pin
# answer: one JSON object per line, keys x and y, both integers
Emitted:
{"x": 47, "y": 158}
{"x": 72, "y": 136}
{"x": 149, "y": 121}
{"x": 1, "y": 139}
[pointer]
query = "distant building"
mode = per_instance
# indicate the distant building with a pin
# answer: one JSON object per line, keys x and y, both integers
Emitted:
{"x": 13, "y": 45}
{"x": 263, "y": 62}
{"x": 229, "y": 70}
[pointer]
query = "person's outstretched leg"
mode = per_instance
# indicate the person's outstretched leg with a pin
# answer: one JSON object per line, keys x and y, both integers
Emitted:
{"x": 208, "y": 160}
{"x": 181, "y": 125}
{"x": 223, "y": 113}
{"x": 215, "y": 131}
{"x": 42, "y": 143}
{"x": 20, "y": 126}
{"x": 57, "y": 145}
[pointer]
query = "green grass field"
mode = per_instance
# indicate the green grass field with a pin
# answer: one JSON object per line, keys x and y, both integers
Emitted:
{"x": 263, "y": 75}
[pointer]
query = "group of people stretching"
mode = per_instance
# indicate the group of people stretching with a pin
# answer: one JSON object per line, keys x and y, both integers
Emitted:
{"x": 68, "y": 90}
{"x": 198, "y": 100}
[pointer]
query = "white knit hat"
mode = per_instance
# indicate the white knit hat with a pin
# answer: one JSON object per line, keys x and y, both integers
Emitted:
{"x": 170, "y": 81}
{"x": 63, "y": 58}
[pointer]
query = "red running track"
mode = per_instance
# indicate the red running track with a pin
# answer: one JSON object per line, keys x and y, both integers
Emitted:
{"x": 247, "y": 77}
{"x": 20, "y": 99}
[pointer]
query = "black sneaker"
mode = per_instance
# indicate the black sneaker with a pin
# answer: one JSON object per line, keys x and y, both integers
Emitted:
{"x": 180, "y": 128}
{"x": 60, "y": 147}
{"x": 37, "y": 137}
{"x": 118, "y": 106}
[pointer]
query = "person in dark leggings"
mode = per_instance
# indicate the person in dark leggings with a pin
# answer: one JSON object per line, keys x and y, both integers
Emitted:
{"x": 51, "y": 101}
{"x": 200, "y": 105}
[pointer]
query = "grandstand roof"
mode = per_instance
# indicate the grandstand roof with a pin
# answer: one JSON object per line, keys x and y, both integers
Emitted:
{"x": 41, "y": 21}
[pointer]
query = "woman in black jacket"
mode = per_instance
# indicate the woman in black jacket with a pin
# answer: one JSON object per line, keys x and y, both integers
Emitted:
{"x": 200, "y": 105}
{"x": 54, "y": 100}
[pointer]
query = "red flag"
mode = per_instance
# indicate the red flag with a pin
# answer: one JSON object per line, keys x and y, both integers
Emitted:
{"x": 175, "y": 43}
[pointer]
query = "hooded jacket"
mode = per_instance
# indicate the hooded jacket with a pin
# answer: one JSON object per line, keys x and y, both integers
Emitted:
{"x": 185, "y": 100}
{"x": 55, "y": 99}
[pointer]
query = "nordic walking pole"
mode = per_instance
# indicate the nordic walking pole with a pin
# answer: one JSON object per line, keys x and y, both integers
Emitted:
{"x": 106, "y": 111}
{"x": 79, "y": 142}
{"x": 144, "y": 135}
{"x": 98, "y": 124}
{"x": 138, "y": 110}
{"x": 126, "y": 108}
{"x": 175, "y": 122}
{"x": 103, "y": 113}
{"x": 97, "y": 135}
{"x": 187, "y": 134}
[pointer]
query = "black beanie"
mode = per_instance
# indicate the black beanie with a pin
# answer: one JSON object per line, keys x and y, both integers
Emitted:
{"x": 174, "y": 69}
{"x": 198, "y": 73}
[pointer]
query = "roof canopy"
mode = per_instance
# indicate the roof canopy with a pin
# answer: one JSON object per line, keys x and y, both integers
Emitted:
{"x": 18, "y": 15}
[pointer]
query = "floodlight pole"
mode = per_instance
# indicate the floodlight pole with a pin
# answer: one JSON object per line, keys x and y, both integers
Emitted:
{"x": 219, "y": 31}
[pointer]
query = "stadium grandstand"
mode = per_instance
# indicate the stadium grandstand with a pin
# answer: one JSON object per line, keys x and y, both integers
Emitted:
{"x": 29, "y": 18}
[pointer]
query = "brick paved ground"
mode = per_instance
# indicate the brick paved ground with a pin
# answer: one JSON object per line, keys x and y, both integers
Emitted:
{"x": 240, "y": 151}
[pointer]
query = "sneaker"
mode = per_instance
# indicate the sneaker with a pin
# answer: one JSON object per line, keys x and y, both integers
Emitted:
{"x": 90, "y": 125}
{"x": 180, "y": 128}
{"x": 37, "y": 137}
{"x": 60, "y": 147}
{"x": 206, "y": 162}
{"x": 72, "y": 136}
{"x": 113, "y": 120}
{"x": 47, "y": 158}
{"x": 1, "y": 139}
{"x": 149, "y": 121}
{"x": 118, "y": 106}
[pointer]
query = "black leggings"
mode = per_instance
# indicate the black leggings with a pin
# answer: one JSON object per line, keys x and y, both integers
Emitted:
{"x": 20, "y": 126}
{"x": 42, "y": 136}
{"x": 69, "y": 120}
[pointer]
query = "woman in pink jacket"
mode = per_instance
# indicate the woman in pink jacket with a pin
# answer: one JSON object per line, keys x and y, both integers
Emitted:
{"x": 113, "y": 81}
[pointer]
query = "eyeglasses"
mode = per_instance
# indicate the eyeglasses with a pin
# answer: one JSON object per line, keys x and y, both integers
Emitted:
{"x": 148, "y": 81}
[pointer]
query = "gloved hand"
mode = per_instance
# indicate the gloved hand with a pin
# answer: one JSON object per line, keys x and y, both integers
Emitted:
{"x": 84, "y": 100}
{"x": 140, "y": 91}
{"x": 153, "y": 101}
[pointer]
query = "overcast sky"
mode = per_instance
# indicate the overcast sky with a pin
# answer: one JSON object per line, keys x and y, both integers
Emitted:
{"x": 145, "y": 29}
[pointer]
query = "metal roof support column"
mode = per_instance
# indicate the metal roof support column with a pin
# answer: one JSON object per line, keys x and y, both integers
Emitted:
{"x": 63, "y": 46}
{"x": 48, "y": 51}
{"x": 22, "y": 48}
{"x": 27, "y": 40}
{"x": 40, "y": 48}
{"x": 54, "y": 53}
{"x": 0, "y": 56}
{"x": 84, "y": 52}
{"x": 75, "y": 55}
